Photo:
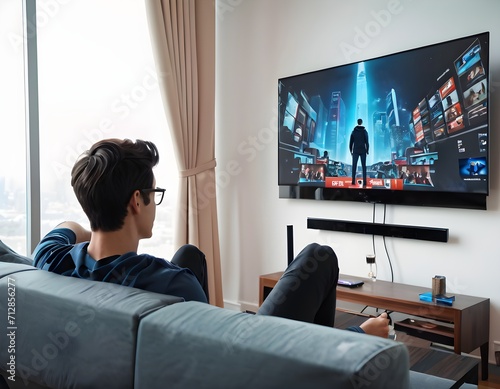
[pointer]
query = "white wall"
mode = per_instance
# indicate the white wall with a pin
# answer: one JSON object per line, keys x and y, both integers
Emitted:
{"x": 259, "y": 41}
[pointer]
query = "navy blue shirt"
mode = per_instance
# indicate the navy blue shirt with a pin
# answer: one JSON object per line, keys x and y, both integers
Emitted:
{"x": 58, "y": 253}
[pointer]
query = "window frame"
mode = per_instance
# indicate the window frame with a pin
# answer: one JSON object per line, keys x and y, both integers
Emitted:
{"x": 33, "y": 192}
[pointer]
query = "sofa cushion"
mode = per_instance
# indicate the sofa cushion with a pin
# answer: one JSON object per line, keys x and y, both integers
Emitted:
{"x": 9, "y": 255}
{"x": 195, "y": 345}
{"x": 73, "y": 333}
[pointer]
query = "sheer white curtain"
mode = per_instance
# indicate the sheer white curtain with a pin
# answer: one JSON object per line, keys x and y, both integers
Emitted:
{"x": 183, "y": 40}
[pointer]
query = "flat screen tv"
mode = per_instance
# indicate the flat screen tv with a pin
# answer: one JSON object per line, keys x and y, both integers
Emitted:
{"x": 427, "y": 118}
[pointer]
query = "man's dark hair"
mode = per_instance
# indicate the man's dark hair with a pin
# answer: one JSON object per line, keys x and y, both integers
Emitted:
{"x": 105, "y": 177}
{"x": 360, "y": 122}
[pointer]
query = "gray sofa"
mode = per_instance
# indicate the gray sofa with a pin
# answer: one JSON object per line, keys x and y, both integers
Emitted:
{"x": 72, "y": 333}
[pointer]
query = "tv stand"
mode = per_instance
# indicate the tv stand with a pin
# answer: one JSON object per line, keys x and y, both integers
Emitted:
{"x": 469, "y": 317}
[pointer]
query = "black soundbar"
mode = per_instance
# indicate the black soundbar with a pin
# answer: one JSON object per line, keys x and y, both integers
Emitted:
{"x": 396, "y": 231}
{"x": 289, "y": 243}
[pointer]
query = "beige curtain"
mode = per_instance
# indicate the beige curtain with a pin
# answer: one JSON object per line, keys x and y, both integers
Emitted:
{"x": 183, "y": 40}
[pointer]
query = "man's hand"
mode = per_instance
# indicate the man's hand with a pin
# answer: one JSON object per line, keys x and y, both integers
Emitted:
{"x": 378, "y": 326}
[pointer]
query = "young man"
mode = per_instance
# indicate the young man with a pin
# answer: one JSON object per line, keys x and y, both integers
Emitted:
{"x": 116, "y": 187}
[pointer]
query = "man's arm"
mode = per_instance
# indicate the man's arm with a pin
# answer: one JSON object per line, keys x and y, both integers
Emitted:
{"x": 82, "y": 235}
{"x": 48, "y": 254}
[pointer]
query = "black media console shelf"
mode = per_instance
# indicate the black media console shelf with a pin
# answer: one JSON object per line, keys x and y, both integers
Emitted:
{"x": 393, "y": 230}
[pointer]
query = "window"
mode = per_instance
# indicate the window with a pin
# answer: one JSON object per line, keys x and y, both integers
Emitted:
{"x": 97, "y": 79}
{"x": 13, "y": 155}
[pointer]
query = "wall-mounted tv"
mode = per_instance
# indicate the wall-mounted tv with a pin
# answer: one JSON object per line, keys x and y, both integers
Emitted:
{"x": 427, "y": 118}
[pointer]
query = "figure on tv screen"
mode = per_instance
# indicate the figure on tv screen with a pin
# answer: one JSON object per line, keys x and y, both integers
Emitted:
{"x": 477, "y": 71}
{"x": 473, "y": 97}
{"x": 326, "y": 157}
{"x": 451, "y": 114}
{"x": 475, "y": 168}
{"x": 359, "y": 147}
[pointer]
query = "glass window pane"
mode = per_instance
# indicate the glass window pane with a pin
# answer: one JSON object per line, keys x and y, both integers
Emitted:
{"x": 12, "y": 113}
{"x": 97, "y": 80}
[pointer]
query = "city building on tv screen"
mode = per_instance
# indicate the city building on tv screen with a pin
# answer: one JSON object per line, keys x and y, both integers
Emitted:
{"x": 425, "y": 111}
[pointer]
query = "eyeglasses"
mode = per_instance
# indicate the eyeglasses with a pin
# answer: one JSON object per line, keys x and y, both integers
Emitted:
{"x": 159, "y": 193}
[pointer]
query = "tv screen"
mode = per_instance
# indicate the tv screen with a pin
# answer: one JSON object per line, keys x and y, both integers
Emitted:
{"x": 425, "y": 112}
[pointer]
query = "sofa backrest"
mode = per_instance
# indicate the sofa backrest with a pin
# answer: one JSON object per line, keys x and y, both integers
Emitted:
{"x": 71, "y": 333}
{"x": 202, "y": 346}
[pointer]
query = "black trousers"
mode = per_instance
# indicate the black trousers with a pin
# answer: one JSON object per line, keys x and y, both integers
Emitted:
{"x": 355, "y": 157}
{"x": 191, "y": 257}
{"x": 307, "y": 289}
{"x": 305, "y": 292}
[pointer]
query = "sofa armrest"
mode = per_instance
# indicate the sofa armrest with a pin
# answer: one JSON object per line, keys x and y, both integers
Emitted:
{"x": 9, "y": 255}
{"x": 195, "y": 345}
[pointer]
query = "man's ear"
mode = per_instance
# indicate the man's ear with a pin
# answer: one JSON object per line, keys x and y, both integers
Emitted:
{"x": 135, "y": 202}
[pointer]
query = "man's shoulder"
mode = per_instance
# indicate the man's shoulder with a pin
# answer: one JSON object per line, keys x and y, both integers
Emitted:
{"x": 52, "y": 249}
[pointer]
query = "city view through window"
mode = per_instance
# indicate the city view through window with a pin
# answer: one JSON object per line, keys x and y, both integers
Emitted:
{"x": 12, "y": 114}
{"x": 97, "y": 80}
